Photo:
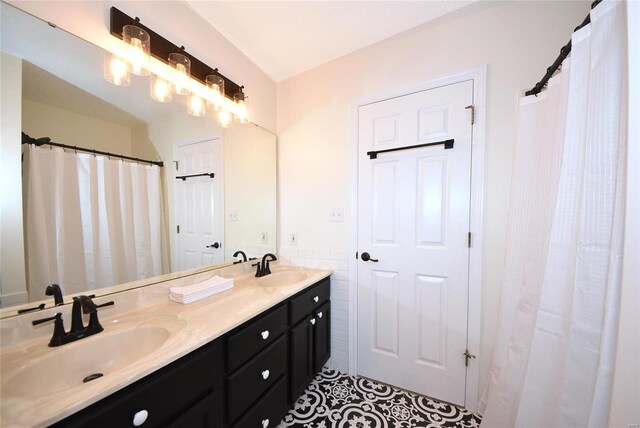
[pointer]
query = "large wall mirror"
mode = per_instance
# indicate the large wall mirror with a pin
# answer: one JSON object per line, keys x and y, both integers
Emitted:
{"x": 100, "y": 224}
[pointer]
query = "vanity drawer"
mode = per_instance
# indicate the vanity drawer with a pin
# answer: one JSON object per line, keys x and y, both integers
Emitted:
{"x": 252, "y": 380}
{"x": 269, "y": 411}
{"x": 255, "y": 337}
{"x": 308, "y": 301}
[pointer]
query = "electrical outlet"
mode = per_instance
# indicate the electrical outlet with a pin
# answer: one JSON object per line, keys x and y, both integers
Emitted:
{"x": 233, "y": 216}
{"x": 293, "y": 239}
{"x": 263, "y": 237}
{"x": 337, "y": 214}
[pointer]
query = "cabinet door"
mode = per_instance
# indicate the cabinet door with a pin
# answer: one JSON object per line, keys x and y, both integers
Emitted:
{"x": 321, "y": 336}
{"x": 301, "y": 357}
{"x": 205, "y": 414}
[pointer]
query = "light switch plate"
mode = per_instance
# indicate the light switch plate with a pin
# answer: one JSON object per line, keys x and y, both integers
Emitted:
{"x": 263, "y": 237}
{"x": 337, "y": 214}
{"x": 293, "y": 239}
{"x": 233, "y": 215}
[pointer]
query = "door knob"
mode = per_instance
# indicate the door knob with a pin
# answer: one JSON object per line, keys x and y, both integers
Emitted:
{"x": 367, "y": 257}
{"x": 265, "y": 334}
{"x": 214, "y": 245}
{"x": 265, "y": 374}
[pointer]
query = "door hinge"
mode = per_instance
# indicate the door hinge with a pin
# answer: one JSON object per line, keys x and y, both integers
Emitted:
{"x": 178, "y": 229}
{"x": 467, "y": 356}
{"x": 469, "y": 240}
{"x": 473, "y": 113}
{"x": 177, "y": 163}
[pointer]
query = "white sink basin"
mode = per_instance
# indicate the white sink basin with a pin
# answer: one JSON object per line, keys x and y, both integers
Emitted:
{"x": 104, "y": 353}
{"x": 282, "y": 278}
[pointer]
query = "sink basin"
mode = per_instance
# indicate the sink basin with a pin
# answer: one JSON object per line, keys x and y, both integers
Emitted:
{"x": 106, "y": 352}
{"x": 282, "y": 278}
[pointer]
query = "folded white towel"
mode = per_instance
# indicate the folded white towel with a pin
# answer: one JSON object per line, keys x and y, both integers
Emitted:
{"x": 212, "y": 283}
{"x": 181, "y": 298}
{"x": 200, "y": 290}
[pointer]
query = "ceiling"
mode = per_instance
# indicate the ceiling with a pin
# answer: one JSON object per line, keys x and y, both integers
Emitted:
{"x": 285, "y": 38}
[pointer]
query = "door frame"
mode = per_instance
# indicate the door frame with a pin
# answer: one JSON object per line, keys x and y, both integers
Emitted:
{"x": 474, "y": 319}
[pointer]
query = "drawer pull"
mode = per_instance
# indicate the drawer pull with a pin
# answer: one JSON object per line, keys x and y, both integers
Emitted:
{"x": 265, "y": 334}
{"x": 265, "y": 374}
{"x": 265, "y": 423}
{"x": 316, "y": 298}
{"x": 140, "y": 417}
{"x": 319, "y": 314}
{"x": 313, "y": 321}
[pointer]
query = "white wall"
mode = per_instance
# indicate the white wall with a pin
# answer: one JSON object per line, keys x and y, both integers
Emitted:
{"x": 12, "y": 272}
{"x": 517, "y": 40}
{"x": 175, "y": 21}
{"x": 66, "y": 127}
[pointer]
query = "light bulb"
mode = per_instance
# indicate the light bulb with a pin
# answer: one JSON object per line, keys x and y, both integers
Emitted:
{"x": 196, "y": 106}
{"x": 160, "y": 89}
{"x": 240, "y": 111}
{"x": 225, "y": 118}
{"x": 182, "y": 73}
{"x": 216, "y": 91}
{"x": 115, "y": 70}
{"x": 138, "y": 49}
{"x": 136, "y": 56}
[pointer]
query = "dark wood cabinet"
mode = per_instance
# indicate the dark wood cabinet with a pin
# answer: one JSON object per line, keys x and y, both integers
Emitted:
{"x": 301, "y": 366}
{"x": 247, "y": 378}
{"x": 187, "y": 392}
{"x": 310, "y": 336}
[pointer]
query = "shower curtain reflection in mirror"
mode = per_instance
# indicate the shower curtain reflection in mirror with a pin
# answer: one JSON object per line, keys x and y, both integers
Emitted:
{"x": 90, "y": 221}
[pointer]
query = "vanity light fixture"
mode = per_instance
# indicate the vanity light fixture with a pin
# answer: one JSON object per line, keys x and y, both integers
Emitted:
{"x": 138, "y": 49}
{"x": 196, "y": 105}
{"x": 241, "y": 106}
{"x": 160, "y": 89}
{"x": 215, "y": 84}
{"x": 181, "y": 72}
{"x": 224, "y": 119}
{"x": 116, "y": 70}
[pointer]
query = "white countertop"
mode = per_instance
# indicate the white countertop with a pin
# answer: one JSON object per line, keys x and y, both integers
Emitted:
{"x": 191, "y": 326}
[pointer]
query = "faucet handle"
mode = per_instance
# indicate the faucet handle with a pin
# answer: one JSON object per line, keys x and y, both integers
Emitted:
{"x": 43, "y": 320}
{"x": 259, "y": 271}
{"x": 59, "y": 335}
{"x": 94, "y": 324}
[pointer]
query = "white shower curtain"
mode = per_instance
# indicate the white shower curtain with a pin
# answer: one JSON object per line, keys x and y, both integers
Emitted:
{"x": 90, "y": 221}
{"x": 555, "y": 343}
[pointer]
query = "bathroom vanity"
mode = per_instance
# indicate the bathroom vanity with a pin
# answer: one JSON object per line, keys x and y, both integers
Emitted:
{"x": 240, "y": 358}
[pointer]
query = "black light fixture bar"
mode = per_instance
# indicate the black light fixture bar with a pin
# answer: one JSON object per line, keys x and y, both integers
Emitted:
{"x": 184, "y": 177}
{"x": 448, "y": 144}
{"x": 564, "y": 53}
{"x": 161, "y": 48}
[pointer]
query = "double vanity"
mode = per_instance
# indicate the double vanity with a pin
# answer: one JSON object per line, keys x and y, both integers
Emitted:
{"x": 239, "y": 358}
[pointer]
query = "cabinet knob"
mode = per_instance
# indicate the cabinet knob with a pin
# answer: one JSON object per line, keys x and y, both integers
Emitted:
{"x": 140, "y": 417}
{"x": 265, "y": 374}
{"x": 319, "y": 314}
{"x": 313, "y": 321}
{"x": 265, "y": 334}
{"x": 265, "y": 423}
{"x": 316, "y": 298}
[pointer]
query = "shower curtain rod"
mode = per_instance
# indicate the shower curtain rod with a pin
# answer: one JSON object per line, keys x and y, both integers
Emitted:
{"x": 26, "y": 139}
{"x": 564, "y": 53}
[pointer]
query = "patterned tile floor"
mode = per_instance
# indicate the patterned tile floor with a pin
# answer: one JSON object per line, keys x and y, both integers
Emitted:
{"x": 335, "y": 399}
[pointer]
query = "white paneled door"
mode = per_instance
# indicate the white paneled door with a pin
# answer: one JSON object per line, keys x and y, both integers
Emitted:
{"x": 199, "y": 207}
{"x": 413, "y": 225}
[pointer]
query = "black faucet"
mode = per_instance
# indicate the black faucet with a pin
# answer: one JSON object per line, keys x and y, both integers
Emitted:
{"x": 55, "y": 291}
{"x": 238, "y": 253}
{"x": 263, "y": 269}
{"x": 78, "y": 330}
